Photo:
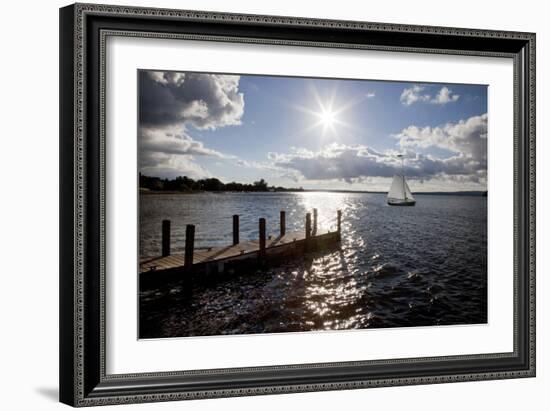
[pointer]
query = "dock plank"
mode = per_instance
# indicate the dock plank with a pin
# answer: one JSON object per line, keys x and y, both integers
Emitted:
{"x": 221, "y": 253}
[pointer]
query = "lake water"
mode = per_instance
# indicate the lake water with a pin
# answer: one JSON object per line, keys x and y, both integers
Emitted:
{"x": 397, "y": 266}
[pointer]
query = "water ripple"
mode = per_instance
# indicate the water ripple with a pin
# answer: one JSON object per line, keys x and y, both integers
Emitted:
{"x": 410, "y": 266}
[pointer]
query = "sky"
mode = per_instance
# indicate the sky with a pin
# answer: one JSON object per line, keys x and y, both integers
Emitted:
{"x": 336, "y": 134}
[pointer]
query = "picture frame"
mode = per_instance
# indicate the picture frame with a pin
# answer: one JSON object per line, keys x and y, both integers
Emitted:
{"x": 84, "y": 29}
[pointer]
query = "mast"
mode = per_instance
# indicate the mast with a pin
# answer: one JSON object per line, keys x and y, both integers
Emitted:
{"x": 403, "y": 176}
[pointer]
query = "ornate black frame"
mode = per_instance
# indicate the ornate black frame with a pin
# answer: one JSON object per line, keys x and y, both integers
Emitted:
{"x": 83, "y": 30}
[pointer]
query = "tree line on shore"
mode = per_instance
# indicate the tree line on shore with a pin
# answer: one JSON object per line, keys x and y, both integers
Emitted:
{"x": 186, "y": 184}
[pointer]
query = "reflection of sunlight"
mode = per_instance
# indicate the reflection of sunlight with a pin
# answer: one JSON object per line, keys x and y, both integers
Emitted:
{"x": 333, "y": 292}
{"x": 328, "y": 298}
{"x": 327, "y": 205}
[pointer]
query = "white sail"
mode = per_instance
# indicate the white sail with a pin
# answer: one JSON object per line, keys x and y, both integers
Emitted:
{"x": 400, "y": 193}
{"x": 408, "y": 193}
{"x": 397, "y": 189}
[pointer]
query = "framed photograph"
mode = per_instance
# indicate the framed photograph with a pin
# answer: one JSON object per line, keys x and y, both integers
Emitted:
{"x": 261, "y": 204}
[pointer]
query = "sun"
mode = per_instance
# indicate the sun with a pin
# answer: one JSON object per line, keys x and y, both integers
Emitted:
{"x": 327, "y": 117}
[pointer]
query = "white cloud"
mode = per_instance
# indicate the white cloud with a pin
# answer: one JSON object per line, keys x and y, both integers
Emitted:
{"x": 169, "y": 152}
{"x": 370, "y": 94}
{"x": 351, "y": 163}
{"x": 466, "y": 140}
{"x": 335, "y": 162}
{"x": 170, "y": 102}
{"x": 445, "y": 96}
{"x": 206, "y": 101}
{"x": 162, "y": 165}
{"x": 417, "y": 94}
{"x": 413, "y": 95}
{"x": 171, "y": 141}
{"x": 467, "y": 137}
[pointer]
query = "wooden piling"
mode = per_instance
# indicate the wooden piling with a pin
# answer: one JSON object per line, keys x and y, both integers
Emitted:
{"x": 262, "y": 238}
{"x": 308, "y": 226}
{"x": 235, "y": 229}
{"x": 314, "y": 221}
{"x": 339, "y": 221}
{"x": 283, "y": 223}
{"x": 189, "y": 245}
{"x": 165, "y": 238}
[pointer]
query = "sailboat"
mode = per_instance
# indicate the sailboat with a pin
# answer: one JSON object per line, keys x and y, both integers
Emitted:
{"x": 400, "y": 193}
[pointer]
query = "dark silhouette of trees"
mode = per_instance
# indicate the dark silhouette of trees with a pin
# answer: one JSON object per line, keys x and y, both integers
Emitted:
{"x": 260, "y": 185}
{"x": 186, "y": 184}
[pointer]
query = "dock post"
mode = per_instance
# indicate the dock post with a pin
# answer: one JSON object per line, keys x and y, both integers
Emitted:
{"x": 308, "y": 231}
{"x": 235, "y": 229}
{"x": 314, "y": 221}
{"x": 283, "y": 223}
{"x": 339, "y": 222}
{"x": 262, "y": 238}
{"x": 308, "y": 226}
{"x": 165, "y": 238}
{"x": 189, "y": 246}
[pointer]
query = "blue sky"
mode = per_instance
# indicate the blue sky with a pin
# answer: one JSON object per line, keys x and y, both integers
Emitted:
{"x": 313, "y": 133}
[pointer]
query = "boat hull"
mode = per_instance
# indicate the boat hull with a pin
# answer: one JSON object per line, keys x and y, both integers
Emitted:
{"x": 403, "y": 203}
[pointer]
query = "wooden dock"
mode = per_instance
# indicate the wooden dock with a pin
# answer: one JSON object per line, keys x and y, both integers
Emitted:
{"x": 265, "y": 251}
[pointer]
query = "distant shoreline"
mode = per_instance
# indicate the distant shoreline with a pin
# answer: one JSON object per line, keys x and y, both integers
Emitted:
{"x": 445, "y": 193}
